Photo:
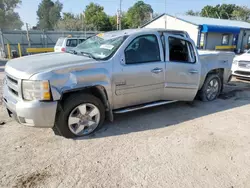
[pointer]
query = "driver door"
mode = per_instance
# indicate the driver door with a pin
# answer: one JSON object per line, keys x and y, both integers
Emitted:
{"x": 139, "y": 77}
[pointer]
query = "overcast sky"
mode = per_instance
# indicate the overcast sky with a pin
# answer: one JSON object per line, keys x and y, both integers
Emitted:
{"x": 28, "y": 8}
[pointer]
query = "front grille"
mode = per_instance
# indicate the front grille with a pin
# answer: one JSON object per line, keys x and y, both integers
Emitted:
{"x": 244, "y": 64}
{"x": 12, "y": 80}
{"x": 12, "y": 84}
{"x": 242, "y": 73}
{"x": 13, "y": 91}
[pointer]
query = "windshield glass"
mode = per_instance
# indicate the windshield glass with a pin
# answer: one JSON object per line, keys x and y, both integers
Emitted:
{"x": 99, "y": 48}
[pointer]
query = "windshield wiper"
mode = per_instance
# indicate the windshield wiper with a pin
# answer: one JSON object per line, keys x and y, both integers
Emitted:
{"x": 89, "y": 55}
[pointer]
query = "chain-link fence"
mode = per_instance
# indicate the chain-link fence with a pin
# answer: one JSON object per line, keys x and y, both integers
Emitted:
{"x": 37, "y": 39}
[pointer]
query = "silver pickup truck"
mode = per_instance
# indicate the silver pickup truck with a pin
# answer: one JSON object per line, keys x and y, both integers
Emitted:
{"x": 113, "y": 72}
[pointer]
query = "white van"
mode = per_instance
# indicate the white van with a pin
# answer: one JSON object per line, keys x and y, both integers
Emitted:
{"x": 65, "y": 44}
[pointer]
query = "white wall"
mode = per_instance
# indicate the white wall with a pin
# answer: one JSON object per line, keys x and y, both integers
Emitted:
{"x": 176, "y": 24}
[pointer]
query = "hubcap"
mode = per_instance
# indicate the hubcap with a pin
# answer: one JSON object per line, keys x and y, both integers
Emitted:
{"x": 84, "y": 119}
{"x": 212, "y": 89}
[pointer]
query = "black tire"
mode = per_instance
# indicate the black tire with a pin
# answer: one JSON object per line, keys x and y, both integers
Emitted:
{"x": 203, "y": 92}
{"x": 61, "y": 125}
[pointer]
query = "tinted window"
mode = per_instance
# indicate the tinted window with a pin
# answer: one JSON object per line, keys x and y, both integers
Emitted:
{"x": 59, "y": 42}
{"x": 143, "y": 49}
{"x": 181, "y": 51}
{"x": 225, "y": 39}
{"x": 71, "y": 43}
{"x": 81, "y": 40}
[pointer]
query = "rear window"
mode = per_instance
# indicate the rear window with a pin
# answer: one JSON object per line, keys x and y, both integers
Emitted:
{"x": 59, "y": 42}
{"x": 71, "y": 43}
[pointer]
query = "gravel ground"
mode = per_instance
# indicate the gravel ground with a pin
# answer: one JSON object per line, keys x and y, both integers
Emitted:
{"x": 178, "y": 145}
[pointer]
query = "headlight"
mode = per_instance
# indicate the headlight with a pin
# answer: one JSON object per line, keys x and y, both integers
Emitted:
{"x": 36, "y": 90}
{"x": 235, "y": 62}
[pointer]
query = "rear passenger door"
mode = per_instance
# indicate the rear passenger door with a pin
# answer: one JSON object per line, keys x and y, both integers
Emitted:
{"x": 183, "y": 69}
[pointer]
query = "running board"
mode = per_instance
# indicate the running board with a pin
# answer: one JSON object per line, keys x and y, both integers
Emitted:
{"x": 139, "y": 107}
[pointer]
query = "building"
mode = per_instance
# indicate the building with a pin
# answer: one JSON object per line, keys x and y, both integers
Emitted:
{"x": 208, "y": 33}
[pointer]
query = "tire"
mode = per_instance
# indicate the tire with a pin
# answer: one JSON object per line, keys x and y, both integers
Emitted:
{"x": 69, "y": 107}
{"x": 204, "y": 96}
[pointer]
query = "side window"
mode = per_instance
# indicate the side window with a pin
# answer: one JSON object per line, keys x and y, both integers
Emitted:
{"x": 71, "y": 43}
{"x": 225, "y": 39}
{"x": 181, "y": 51}
{"x": 81, "y": 40}
{"x": 143, "y": 49}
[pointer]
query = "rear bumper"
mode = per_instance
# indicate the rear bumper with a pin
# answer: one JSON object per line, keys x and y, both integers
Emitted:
{"x": 34, "y": 113}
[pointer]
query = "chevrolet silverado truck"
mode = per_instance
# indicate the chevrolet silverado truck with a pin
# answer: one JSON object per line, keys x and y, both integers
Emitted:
{"x": 113, "y": 72}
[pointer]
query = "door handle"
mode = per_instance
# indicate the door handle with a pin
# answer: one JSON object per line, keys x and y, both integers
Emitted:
{"x": 193, "y": 71}
{"x": 156, "y": 70}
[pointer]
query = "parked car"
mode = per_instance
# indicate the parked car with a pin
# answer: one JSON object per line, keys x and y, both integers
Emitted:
{"x": 241, "y": 65}
{"x": 113, "y": 72}
{"x": 65, "y": 44}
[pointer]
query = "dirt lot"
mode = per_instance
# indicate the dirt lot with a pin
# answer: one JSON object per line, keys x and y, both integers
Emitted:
{"x": 178, "y": 145}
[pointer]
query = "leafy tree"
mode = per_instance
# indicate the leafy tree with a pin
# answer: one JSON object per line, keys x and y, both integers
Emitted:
{"x": 139, "y": 14}
{"x": 224, "y": 11}
{"x": 70, "y": 22}
{"x": 48, "y": 14}
{"x": 9, "y": 19}
{"x": 192, "y": 13}
{"x": 242, "y": 13}
{"x": 96, "y": 18}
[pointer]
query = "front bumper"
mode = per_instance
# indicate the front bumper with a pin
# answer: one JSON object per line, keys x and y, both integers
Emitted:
{"x": 31, "y": 113}
{"x": 240, "y": 72}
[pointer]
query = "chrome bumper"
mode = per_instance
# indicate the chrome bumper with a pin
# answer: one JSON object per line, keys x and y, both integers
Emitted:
{"x": 31, "y": 113}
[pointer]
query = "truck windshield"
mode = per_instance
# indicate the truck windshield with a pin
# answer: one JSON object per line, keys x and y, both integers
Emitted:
{"x": 99, "y": 48}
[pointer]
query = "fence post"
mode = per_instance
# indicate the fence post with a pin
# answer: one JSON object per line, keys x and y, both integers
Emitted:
{"x": 28, "y": 35}
{"x": 19, "y": 50}
{"x": 9, "y": 51}
{"x": 2, "y": 43}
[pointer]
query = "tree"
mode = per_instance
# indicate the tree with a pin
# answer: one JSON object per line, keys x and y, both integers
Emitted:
{"x": 70, "y": 22}
{"x": 9, "y": 19}
{"x": 96, "y": 18}
{"x": 242, "y": 13}
{"x": 113, "y": 21}
{"x": 192, "y": 13}
{"x": 224, "y": 11}
{"x": 139, "y": 14}
{"x": 48, "y": 14}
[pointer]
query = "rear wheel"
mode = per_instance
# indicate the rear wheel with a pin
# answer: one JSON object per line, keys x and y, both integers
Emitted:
{"x": 211, "y": 88}
{"x": 80, "y": 115}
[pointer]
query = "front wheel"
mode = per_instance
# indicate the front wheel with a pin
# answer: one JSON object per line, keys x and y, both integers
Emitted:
{"x": 211, "y": 88}
{"x": 80, "y": 115}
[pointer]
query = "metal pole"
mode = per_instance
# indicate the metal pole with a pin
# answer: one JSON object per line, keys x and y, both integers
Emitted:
{"x": 2, "y": 43}
{"x": 9, "y": 51}
{"x": 120, "y": 16}
{"x": 28, "y": 35}
{"x": 19, "y": 50}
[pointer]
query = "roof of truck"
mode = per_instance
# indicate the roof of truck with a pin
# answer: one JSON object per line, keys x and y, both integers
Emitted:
{"x": 113, "y": 34}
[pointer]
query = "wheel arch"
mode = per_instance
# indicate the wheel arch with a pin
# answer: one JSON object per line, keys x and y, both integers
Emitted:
{"x": 98, "y": 91}
{"x": 219, "y": 72}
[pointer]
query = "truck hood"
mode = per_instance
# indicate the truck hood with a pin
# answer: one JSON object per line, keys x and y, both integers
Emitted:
{"x": 27, "y": 66}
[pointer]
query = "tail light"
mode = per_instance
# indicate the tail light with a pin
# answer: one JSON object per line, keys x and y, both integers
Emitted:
{"x": 63, "y": 49}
